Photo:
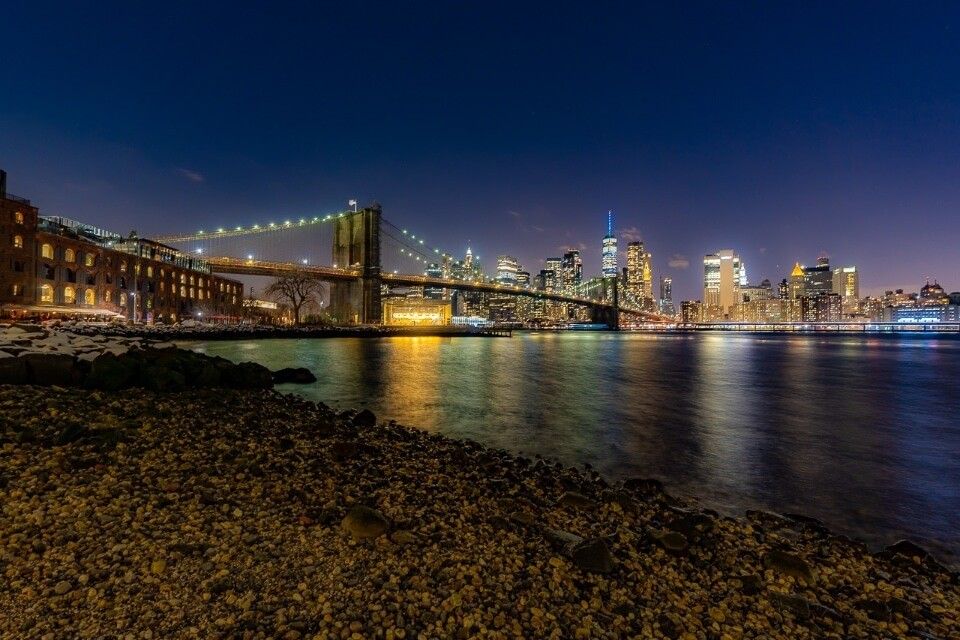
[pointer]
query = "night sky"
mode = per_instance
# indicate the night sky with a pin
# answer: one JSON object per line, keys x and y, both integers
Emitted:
{"x": 782, "y": 130}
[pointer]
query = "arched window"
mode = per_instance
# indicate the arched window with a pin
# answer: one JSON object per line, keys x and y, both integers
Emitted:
{"x": 18, "y": 217}
{"x": 107, "y": 296}
{"x": 183, "y": 291}
{"x": 46, "y": 251}
{"x": 123, "y": 266}
{"x": 149, "y": 271}
{"x": 69, "y": 295}
{"x": 69, "y": 255}
{"x": 123, "y": 282}
{"x": 46, "y": 293}
{"x": 89, "y": 259}
{"x": 90, "y": 297}
{"x": 18, "y": 242}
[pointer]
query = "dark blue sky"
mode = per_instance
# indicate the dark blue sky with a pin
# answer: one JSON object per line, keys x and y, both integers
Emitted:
{"x": 782, "y": 130}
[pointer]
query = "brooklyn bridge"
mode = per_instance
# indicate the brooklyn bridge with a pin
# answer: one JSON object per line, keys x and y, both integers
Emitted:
{"x": 361, "y": 243}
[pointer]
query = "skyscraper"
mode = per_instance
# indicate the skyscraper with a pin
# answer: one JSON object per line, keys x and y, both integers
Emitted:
{"x": 572, "y": 268}
{"x": 846, "y": 284}
{"x": 608, "y": 250}
{"x": 633, "y": 286}
{"x": 666, "y": 296}
{"x": 507, "y": 268}
{"x": 723, "y": 275}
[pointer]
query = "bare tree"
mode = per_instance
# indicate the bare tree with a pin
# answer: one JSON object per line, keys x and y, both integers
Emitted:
{"x": 298, "y": 289}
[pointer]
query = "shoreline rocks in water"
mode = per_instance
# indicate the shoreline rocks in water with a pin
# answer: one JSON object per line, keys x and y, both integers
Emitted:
{"x": 34, "y": 355}
{"x": 218, "y": 514}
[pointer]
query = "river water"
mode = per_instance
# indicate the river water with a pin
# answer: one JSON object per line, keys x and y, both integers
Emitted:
{"x": 860, "y": 432}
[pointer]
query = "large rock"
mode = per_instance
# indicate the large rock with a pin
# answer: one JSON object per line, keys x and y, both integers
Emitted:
{"x": 790, "y": 565}
{"x": 246, "y": 375}
{"x": 13, "y": 371}
{"x": 364, "y": 522}
{"x": 50, "y": 368}
{"x": 111, "y": 373}
{"x": 291, "y": 375}
{"x": 593, "y": 555}
{"x": 365, "y": 418}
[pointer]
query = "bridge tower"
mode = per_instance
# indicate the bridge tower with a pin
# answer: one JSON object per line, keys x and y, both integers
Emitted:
{"x": 610, "y": 316}
{"x": 356, "y": 245}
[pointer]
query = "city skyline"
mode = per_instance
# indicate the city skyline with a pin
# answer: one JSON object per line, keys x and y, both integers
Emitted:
{"x": 694, "y": 138}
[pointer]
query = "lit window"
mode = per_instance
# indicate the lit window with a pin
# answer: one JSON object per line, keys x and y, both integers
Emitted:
{"x": 18, "y": 217}
{"x": 69, "y": 255}
{"x": 183, "y": 279}
{"x": 191, "y": 292}
{"x": 183, "y": 291}
{"x": 149, "y": 271}
{"x": 18, "y": 242}
{"x": 16, "y": 289}
{"x": 69, "y": 295}
{"x": 89, "y": 297}
{"x": 46, "y": 293}
{"x": 46, "y": 251}
{"x": 123, "y": 267}
{"x": 136, "y": 269}
{"x": 89, "y": 259}
{"x": 107, "y": 296}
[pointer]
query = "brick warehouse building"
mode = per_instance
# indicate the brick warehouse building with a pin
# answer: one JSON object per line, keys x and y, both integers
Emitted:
{"x": 56, "y": 267}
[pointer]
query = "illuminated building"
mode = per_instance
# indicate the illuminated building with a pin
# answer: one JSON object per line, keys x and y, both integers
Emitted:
{"x": 933, "y": 294}
{"x": 434, "y": 270}
{"x": 666, "y": 296}
{"x": 783, "y": 290}
{"x": 691, "y": 312}
{"x": 826, "y": 307}
{"x": 796, "y": 282}
{"x": 818, "y": 280}
{"x": 572, "y": 270}
{"x": 507, "y": 268}
{"x": 633, "y": 282}
{"x": 846, "y": 284}
{"x": 608, "y": 251}
{"x": 416, "y": 312}
{"x": 54, "y": 266}
{"x": 762, "y": 291}
{"x": 723, "y": 275}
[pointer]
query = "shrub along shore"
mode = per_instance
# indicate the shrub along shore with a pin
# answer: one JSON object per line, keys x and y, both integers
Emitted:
{"x": 217, "y": 513}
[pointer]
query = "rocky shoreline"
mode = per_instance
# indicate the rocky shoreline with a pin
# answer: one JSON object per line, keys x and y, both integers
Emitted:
{"x": 216, "y": 513}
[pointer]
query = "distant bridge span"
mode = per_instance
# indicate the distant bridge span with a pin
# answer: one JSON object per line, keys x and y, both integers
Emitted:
{"x": 249, "y": 267}
{"x": 355, "y": 290}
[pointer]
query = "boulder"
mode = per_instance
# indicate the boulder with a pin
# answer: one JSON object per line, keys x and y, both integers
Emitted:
{"x": 365, "y": 418}
{"x": 13, "y": 371}
{"x": 364, "y": 522}
{"x": 246, "y": 375}
{"x": 50, "y": 368}
{"x": 593, "y": 555}
{"x": 111, "y": 373}
{"x": 790, "y": 565}
{"x": 293, "y": 375}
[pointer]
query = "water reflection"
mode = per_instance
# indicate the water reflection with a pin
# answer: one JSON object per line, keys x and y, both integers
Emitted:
{"x": 861, "y": 432}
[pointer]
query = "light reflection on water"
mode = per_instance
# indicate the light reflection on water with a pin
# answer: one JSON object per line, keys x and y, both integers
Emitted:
{"x": 863, "y": 433}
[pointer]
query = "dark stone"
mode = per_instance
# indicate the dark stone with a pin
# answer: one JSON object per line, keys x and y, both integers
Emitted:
{"x": 365, "y": 418}
{"x": 50, "y": 369}
{"x": 672, "y": 541}
{"x": 110, "y": 373}
{"x": 158, "y": 378}
{"x": 644, "y": 486}
{"x": 790, "y": 565}
{"x": 797, "y": 605}
{"x": 593, "y": 555}
{"x": 71, "y": 433}
{"x": 293, "y": 375}
{"x": 246, "y": 375}
{"x": 343, "y": 450}
{"x": 908, "y": 549}
{"x": 13, "y": 371}
{"x": 576, "y": 501}
{"x": 691, "y": 524}
{"x": 286, "y": 444}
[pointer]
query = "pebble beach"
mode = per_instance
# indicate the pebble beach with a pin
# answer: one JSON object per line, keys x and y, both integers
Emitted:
{"x": 218, "y": 513}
